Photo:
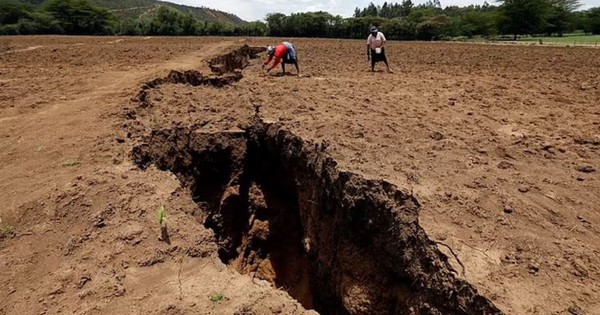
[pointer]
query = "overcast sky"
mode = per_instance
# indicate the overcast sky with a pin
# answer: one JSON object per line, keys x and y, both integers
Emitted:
{"x": 251, "y": 10}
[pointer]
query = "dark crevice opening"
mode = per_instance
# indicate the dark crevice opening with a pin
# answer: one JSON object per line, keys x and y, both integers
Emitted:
{"x": 336, "y": 242}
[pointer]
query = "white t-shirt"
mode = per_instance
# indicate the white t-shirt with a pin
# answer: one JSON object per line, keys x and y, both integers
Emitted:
{"x": 377, "y": 41}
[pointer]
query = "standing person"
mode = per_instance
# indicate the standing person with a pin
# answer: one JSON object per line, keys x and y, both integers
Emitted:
{"x": 376, "y": 49}
{"x": 284, "y": 53}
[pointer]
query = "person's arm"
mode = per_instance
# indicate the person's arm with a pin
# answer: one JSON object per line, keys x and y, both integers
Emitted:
{"x": 275, "y": 64}
{"x": 269, "y": 58}
{"x": 297, "y": 67}
{"x": 369, "y": 47}
{"x": 383, "y": 40}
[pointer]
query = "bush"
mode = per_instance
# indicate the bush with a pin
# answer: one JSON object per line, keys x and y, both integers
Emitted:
{"x": 9, "y": 29}
{"x": 80, "y": 17}
{"x": 437, "y": 27}
{"x": 39, "y": 23}
{"x": 167, "y": 22}
{"x": 12, "y": 11}
{"x": 130, "y": 27}
{"x": 252, "y": 29}
{"x": 477, "y": 24}
{"x": 171, "y": 22}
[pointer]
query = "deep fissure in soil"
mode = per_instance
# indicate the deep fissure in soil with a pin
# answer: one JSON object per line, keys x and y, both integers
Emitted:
{"x": 226, "y": 69}
{"x": 282, "y": 211}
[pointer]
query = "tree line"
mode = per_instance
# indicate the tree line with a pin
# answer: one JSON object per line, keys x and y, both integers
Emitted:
{"x": 430, "y": 21}
{"x": 404, "y": 21}
{"x": 82, "y": 17}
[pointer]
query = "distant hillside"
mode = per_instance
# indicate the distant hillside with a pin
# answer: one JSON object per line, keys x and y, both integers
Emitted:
{"x": 146, "y": 8}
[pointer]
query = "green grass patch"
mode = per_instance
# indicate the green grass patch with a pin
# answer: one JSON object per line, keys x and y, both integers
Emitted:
{"x": 217, "y": 297}
{"x": 6, "y": 231}
{"x": 567, "y": 39}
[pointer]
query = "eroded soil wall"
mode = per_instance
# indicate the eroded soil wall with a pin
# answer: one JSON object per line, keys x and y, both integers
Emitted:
{"x": 282, "y": 211}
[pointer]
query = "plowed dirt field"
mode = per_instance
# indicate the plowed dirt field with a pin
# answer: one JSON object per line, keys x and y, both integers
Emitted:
{"x": 466, "y": 182}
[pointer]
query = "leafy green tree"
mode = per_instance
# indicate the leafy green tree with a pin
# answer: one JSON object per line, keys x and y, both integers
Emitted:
{"x": 433, "y": 4}
{"x": 437, "y": 27}
{"x": 189, "y": 25}
{"x": 39, "y": 23}
{"x": 405, "y": 8}
{"x": 593, "y": 24}
{"x": 276, "y": 22}
{"x": 167, "y": 22}
{"x": 580, "y": 21}
{"x": 170, "y": 22}
{"x": 11, "y": 11}
{"x": 560, "y": 16}
{"x": 398, "y": 29}
{"x": 131, "y": 27}
{"x": 9, "y": 29}
{"x": 371, "y": 10}
{"x": 220, "y": 29}
{"x": 477, "y": 23}
{"x": 385, "y": 11}
{"x": 359, "y": 27}
{"x": 80, "y": 16}
{"x": 256, "y": 28}
{"x": 521, "y": 17}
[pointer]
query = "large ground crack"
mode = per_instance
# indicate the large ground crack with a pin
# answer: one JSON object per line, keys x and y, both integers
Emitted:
{"x": 282, "y": 211}
{"x": 226, "y": 70}
{"x": 235, "y": 60}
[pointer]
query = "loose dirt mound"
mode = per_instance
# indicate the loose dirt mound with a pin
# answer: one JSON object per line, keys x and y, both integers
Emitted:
{"x": 282, "y": 211}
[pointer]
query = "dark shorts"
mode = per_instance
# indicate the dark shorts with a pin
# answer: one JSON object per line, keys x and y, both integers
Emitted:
{"x": 288, "y": 60}
{"x": 375, "y": 57}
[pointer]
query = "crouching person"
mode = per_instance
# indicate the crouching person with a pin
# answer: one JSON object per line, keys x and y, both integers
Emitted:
{"x": 284, "y": 53}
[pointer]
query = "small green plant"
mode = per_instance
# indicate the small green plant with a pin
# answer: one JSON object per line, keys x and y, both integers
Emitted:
{"x": 217, "y": 297}
{"x": 162, "y": 221}
{"x": 162, "y": 215}
{"x": 6, "y": 231}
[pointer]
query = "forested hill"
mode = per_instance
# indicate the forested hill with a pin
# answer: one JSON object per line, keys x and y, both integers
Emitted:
{"x": 147, "y": 8}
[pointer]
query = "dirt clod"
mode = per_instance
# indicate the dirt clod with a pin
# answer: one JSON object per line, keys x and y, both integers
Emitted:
{"x": 523, "y": 189}
{"x": 505, "y": 165}
{"x": 533, "y": 268}
{"x": 575, "y": 310}
{"x": 83, "y": 280}
{"x": 437, "y": 136}
{"x": 585, "y": 169}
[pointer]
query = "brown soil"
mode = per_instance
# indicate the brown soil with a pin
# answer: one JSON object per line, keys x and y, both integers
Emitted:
{"x": 496, "y": 148}
{"x": 283, "y": 212}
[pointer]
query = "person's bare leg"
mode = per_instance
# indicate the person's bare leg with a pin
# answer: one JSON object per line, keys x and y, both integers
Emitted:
{"x": 388, "y": 66}
{"x": 297, "y": 68}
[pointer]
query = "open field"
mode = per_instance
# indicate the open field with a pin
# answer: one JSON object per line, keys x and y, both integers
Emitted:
{"x": 498, "y": 145}
{"x": 568, "y": 39}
